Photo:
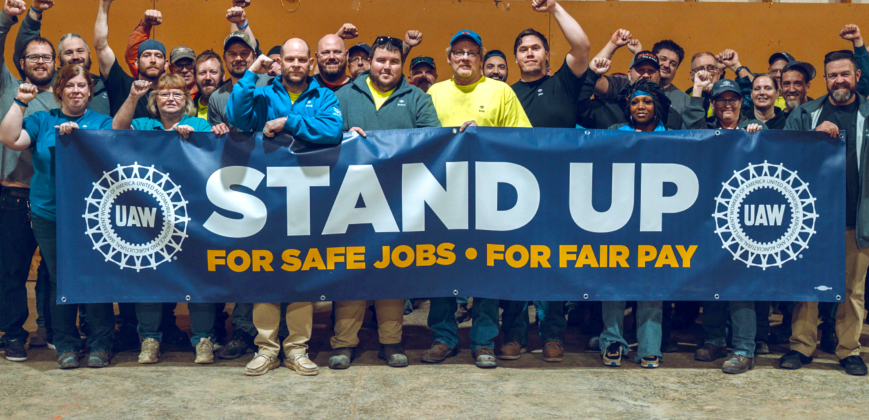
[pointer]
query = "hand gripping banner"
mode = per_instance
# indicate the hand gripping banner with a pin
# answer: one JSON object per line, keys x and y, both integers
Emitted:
{"x": 519, "y": 214}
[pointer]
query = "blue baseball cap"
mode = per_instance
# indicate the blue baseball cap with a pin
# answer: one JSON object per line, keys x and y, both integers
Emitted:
{"x": 467, "y": 33}
{"x": 152, "y": 44}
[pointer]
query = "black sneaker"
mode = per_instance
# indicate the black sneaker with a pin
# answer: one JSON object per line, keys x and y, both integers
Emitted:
{"x": 829, "y": 339}
{"x": 794, "y": 360}
{"x": 240, "y": 343}
{"x": 126, "y": 338}
{"x": 15, "y": 350}
{"x": 853, "y": 365}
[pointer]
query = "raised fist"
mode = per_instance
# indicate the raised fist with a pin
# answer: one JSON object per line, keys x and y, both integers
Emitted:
{"x": 153, "y": 17}
{"x": 236, "y": 15}
{"x": 43, "y": 5}
{"x": 413, "y": 38}
{"x": 703, "y": 80}
{"x": 26, "y": 92}
{"x": 621, "y": 37}
{"x": 850, "y": 32}
{"x": 261, "y": 65}
{"x": 634, "y": 46}
{"x": 240, "y": 3}
{"x": 140, "y": 88}
{"x": 600, "y": 65}
{"x": 14, "y": 8}
{"x": 347, "y": 31}
{"x": 543, "y": 5}
{"x": 730, "y": 59}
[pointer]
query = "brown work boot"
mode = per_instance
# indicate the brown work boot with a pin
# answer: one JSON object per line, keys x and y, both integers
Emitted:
{"x": 710, "y": 352}
{"x": 438, "y": 353}
{"x": 484, "y": 357}
{"x": 511, "y": 350}
{"x": 738, "y": 363}
{"x": 553, "y": 351}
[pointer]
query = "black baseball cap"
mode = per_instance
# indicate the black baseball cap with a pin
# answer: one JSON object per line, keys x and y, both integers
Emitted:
{"x": 781, "y": 56}
{"x": 646, "y": 57}
{"x": 360, "y": 46}
{"x": 275, "y": 50}
{"x": 494, "y": 53}
{"x": 806, "y": 67}
{"x": 422, "y": 60}
{"x": 725, "y": 85}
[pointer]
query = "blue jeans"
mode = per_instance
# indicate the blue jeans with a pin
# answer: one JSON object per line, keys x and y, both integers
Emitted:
{"x": 242, "y": 318}
{"x": 150, "y": 317}
{"x": 101, "y": 316}
{"x": 550, "y": 321}
{"x": 649, "y": 316}
{"x": 484, "y": 328}
{"x": 743, "y": 320}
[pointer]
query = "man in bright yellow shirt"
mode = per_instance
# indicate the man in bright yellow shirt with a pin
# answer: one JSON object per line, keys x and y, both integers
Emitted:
{"x": 470, "y": 98}
{"x": 208, "y": 71}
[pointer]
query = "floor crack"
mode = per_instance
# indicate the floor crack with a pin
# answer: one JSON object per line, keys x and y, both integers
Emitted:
{"x": 356, "y": 396}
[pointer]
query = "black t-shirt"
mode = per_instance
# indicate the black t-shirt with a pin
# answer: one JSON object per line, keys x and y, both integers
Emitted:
{"x": 551, "y": 101}
{"x": 845, "y": 117}
{"x": 118, "y": 84}
{"x": 333, "y": 88}
{"x": 777, "y": 122}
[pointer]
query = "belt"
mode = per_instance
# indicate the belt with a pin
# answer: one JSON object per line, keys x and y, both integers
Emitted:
{"x": 15, "y": 192}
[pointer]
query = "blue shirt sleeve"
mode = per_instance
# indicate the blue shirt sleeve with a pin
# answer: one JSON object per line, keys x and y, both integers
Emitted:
{"x": 32, "y": 125}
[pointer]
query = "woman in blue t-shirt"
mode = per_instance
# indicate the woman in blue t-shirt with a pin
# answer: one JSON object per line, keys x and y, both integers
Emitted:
{"x": 174, "y": 109}
{"x": 73, "y": 89}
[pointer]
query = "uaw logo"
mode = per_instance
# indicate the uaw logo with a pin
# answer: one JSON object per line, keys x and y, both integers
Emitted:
{"x": 765, "y": 215}
{"x": 136, "y": 217}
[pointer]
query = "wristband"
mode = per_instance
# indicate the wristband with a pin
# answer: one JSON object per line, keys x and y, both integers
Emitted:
{"x": 246, "y": 24}
{"x": 739, "y": 69}
{"x": 38, "y": 12}
{"x": 20, "y": 103}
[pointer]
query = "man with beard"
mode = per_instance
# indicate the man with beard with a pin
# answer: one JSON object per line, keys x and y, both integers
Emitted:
{"x": 423, "y": 72}
{"x": 470, "y": 99}
{"x": 379, "y": 99}
{"x": 151, "y": 65}
{"x": 796, "y": 79}
{"x": 549, "y": 101}
{"x": 841, "y": 112}
{"x": 16, "y": 168}
{"x": 495, "y": 65}
{"x": 332, "y": 63}
{"x": 209, "y": 75}
{"x": 295, "y": 104}
{"x": 670, "y": 56}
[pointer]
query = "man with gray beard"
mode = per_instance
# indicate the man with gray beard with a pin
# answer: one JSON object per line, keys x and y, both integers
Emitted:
{"x": 842, "y": 111}
{"x": 796, "y": 79}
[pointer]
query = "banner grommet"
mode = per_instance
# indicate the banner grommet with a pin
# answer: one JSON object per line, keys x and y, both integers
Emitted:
{"x": 187, "y": 298}
{"x": 716, "y": 296}
{"x": 585, "y": 296}
{"x": 455, "y": 292}
{"x": 63, "y": 299}
{"x": 323, "y": 297}
{"x": 838, "y": 297}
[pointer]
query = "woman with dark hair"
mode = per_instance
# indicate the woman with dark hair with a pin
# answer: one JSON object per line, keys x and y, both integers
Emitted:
{"x": 73, "y": 89}
{"x": 646, "y": 106}
{"x": 173, "y": 109}
{"x": 764, "y": 92}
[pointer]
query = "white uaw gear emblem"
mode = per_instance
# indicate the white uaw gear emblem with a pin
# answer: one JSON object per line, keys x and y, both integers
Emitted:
{"x": 795, "y": 235}
{"x": 172, "y": 206}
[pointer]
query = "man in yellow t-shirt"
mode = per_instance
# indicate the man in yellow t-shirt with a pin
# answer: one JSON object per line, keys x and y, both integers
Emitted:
{"x": 208, "y": 71}
{"x": 470, "y": 98}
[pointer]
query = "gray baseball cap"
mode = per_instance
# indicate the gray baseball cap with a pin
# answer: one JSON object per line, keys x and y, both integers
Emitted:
{"x": 181, "y": 52}
{"x": 239, "y": 36}
{"x": 725, "y": 85}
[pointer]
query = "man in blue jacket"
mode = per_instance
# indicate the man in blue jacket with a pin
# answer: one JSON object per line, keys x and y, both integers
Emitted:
{"x": 295, "y": 104}
{"x": 379, "y": 99}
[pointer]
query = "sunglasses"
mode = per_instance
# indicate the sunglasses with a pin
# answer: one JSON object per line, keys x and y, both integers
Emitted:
{"x": 383, "y": 40}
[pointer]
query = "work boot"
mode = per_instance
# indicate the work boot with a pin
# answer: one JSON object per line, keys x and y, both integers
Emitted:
{"x": 710, "y": 352}
{"x": 854, "y": 365}
{"x": 68, "y": 360}
{"x": 393, "y": 354}
{"x": 794, "y": 360}
{"x": 241, "y": 343}
{"x": 484, "y": 357}
{"x": 438, "y": 353}
{"x": 738, "y": 363}
{"x": 553, "y": 351}
{"x": 342, "y": 357}
{"x": 511, "y": 350}
{"x": 99, "y": 359}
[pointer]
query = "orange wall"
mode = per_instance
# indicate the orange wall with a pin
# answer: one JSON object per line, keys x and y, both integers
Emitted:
{"x": 755, "y": 30}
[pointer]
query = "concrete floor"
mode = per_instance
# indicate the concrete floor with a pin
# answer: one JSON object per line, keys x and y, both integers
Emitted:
{"x": 580, "y": 387}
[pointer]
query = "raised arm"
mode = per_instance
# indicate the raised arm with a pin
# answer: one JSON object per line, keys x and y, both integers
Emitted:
{"x": 139, "y": 35}
{"x": 580, "y": 47}
{"x": 411, "y": 39}
{"x": 238, "y": 20}
{"x": 12, "y": 134}
{"x": 11, "y": 10}
{"x": 124, "y": 118}
{"x": 852, "y": 33}
{"x": 30, "y": 29}
{"x": 619, "y": 39}
{"x": 105, "y": 55}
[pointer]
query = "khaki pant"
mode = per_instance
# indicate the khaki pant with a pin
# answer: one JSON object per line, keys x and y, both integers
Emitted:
{"x": 267, "y": 320}
{"x": 348, "y": 321}
{"x": 849, "y": 317}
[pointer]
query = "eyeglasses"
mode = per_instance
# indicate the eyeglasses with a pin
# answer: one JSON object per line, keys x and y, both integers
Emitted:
{"x": 173, "y": 95}
{"x": 459, "y": 54}
{"x": 731, "y": 101}
{"x": 381, "y": 40}
{"x": 355, "y": 60}
{"x": 188, "y": 67}
{"x": 710, "y": 69}
{"x": 35, "y": 58}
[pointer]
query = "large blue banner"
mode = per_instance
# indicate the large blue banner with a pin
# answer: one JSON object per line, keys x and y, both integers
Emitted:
{"x": 520, "y": 214}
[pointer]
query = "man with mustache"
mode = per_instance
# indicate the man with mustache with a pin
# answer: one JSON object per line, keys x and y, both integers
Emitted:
{"x": 842, "y": 111}
{"x": 332, "y": 63}
{"x": 549, "y": 101}
{"x": 208, "y": 69}
{"x": 292, "y": 104}
{"x": 181, "y": 63}
{"x": 151, "y": 65}
{"x": 359, "y": 59}
{"x": 378, "y": 99}
{"x": 423, "y": 72}
{"x": 495, "y": 65}
{"x": 16, "y": 169}
{"x": 72, "y": 49}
